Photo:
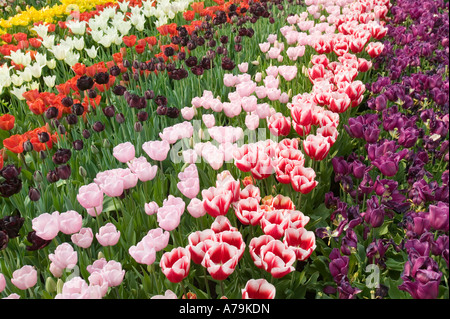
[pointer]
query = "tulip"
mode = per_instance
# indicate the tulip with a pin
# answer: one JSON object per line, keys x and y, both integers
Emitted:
{"x": 83, "y": 238}
{"x": 220, "y": 260}
{"x": 216, "y": 201}
{"x": 2, "y": 282}
{"x": 156, "y": 150}
{"x": 277, "y": 259}
{"x": 70, "y": 222}
{"x": 303, "y": 242}
{"x": 77, "y": 288}
{"x": 124, "y": 152}
{"x": 25, "y": 277}
{"x": 248, "y": 211}
{"x": 439, "y": 216}
{"x": 46, "y": 225}
{"x": 151, "y": 208}
{"x": 90, "y": 196}
{"x": 64, "y": 257}
{"x": 108, "y": 235}
{"x": 258, "y": 289}
{"x": 316, "y": 147}
{"x": 142, "y": 168}
{"x": 176, "y": 264}
{"x": 302, "y": 179}
{"x": 143, "y": 252}
{"x": 199, "y": 243}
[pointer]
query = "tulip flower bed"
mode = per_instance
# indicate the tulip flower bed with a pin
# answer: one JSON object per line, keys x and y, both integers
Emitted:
{"x": 221, "y": 149}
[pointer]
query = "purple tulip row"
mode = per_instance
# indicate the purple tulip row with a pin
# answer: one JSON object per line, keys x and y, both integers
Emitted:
{"x": 398, "y": 180}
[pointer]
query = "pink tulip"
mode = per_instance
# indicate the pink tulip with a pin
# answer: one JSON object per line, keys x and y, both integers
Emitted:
{"x": 246, "y": 88}
{"x": 169, "y": 294}
{"x": 151, "y": 208}
{"x": 176, "y": 132}
{"x": 209, "y": 120}
{"x": 46, "y": 225}
{"x": 271, "y": 38}
{"x": 263, "y": 110}
{"x": 2, "y": 282}
{"x": 90, "y": 196}
{"x": 199, "y": 243}
{"x": 124, "y": 152}
{"x": 232, "y": 109}
{"x": 288, "y": 72}
{"x": 248, "y": 211}
{"x": 113, "y": 273}
{"x": 168, "y": 216}
{"x": 98, "y": 283}
{"x": 108, "y": 235}
{"x": 216, "y": 201}
{"x": 195, "y": 208}
{"x": 156, "y": 150}
{"x": 243, "y": 67}
{"x": 188, "y": 113}
{"x": 220, "y": 260}
{"x": 264, "y": 47}
{"x": 70, "y": 222}
{"x": 159, "y": 237}
{"x": 144, "y": 170}
{"x": 252, "y": 121}
{"x": 112, "y": 186}
{"x": 25, "y": 277}
{"x": 274, "y": 53}
{"x": 249, "y": 103}
{"x": 77, "y": 288}
{"x": 143, "y": 252}
{"x": 189, "y": 187}
{"x": 229, "y": 80}
{"x": 273, "y": 94}
{"x": 274, "y": 223}
{"x": 261, "y": 92}
{"x": 258, "y": 289}
{"x": 95, "y": 211}
{"x": 271, "y": 81}
{"x": 83, "y": 238}
{"x": 64, "y": 256}
{"x": 189, "y": 156}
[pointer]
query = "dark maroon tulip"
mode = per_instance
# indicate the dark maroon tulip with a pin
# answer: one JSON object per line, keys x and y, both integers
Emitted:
{"x": 161, "y": 100}
{"x": 61, "y": 156}
{"x": 85, "y": 83}
{"x": 43, "y": 137}
{"x": 102, "y": 78}
{"x": 109, "y": 111}
{"x": 375, "y": 212}
{"x": 78, "y": 109}
{"x": 52, "y": 176}
{"x": 98, "y": 126}
{"x": 51, "y": 112}
{"x": 67, "y": 101}
{"x": 71, "y": 119}
{"x": 120, "y": 118}
{"x": 10, "y": 171}
{"x": 34, "y": 194}
{"x": 227, "y": 64}
{"x": 173, "y": 112}
{"x": 142, "y": 116}
{"x": 86, "y": 134}
{"x": 4, "y": 239}
{"x": 10, "y": 187}
{"x": 78, "y": 145}
{"x": 12, "y": 225}
{"x": 36, "y": 241}
{"x": 64, "y": 171}
{"x": 119, "y": 90}
{"x": 114, "y": 70}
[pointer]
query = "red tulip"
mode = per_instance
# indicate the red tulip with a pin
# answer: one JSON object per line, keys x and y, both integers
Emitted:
{"x": 274, "y": 223}
{"x": 217, "y": 201}
{"x": 279, "y": 125}
{"x": 221, "y": 223}
{"x": 303, "y": 242}
{"x": 255, "y": 248}
{"x": 277, "y": 259}
{"x": 301, "y": 113}
{"x": 220, "y": 260}
{"x": 258, "y": 289}
{"x": 302, "y": 179}
{"x": 316, "y": 147}
{"x": 176, "y": 264}
{"x": 234, "y": 238}
{"x": 129, "y": 40}
{"x": 7, "y": 122}
{"x": 199, "y": 243}
{"x": 248, "y": 211}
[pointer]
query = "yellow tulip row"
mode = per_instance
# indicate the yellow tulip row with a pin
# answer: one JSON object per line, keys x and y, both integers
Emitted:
{"x": 49, "y": 14}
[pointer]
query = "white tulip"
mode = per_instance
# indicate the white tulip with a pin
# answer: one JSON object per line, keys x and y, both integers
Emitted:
{"x": 36, "y": 70}
{"x": 51, "y": 64}
{"x": 78, "y": 44}
{"x": 17, "y": 92}
{"x": 72, "y": 58}
{"x": 123, "y": 6}
{"x": 26, "y": 74}
{"x": 50, "y": 80}
{"x": 106, "y": 41}
{"x": 97, "y": 35}
{"x": 60, "y": 51}
{"x": 41, "y": 30}
{"x": 48, "y": 41}
{"x": 16, "y": 80}
{"x": 33, "y": 86}
{"x": 92, "y": 52}
{"x": 77, "y": 27}
{"x": 123, "y": 27}
{"x": 41, "y": 59}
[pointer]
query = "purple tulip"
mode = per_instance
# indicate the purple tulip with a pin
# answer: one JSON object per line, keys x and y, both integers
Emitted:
{"x": 439, "y": 216}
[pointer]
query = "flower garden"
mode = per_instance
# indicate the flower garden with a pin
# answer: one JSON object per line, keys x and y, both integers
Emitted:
{"x": 224, "y": 149}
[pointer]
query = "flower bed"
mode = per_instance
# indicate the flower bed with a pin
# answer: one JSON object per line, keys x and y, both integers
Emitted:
{"x": 227, "y": 149}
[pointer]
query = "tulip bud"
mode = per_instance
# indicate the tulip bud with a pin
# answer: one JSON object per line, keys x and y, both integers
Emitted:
{"x": 82, "y": 171}
{"x": 120, "y": 118}
{"x": 38, "y": 177}
{"x": 34, "y": 194}
{"x": 59, "y": 286}
{"x": 106, "y": 143}
{"x": 100, "y": 255}
{"x": 67, "y": 101}
{"x": 52, "y": 176}
{"x": 138, "y": 127}
{"x": 109, "y": 111}
{"x": 98, "y": 126}
{"x": 42, "y": 155}
{"x": 78, "y": 109}
{"x": 43, "y": 137}
{"x": 27, "y": 146}
{"x": 61, "y": 129}
{"x": 86, "y": 134}
{"x": 51, "y": 112}
{"x": 50, "y": 285}
{"x": 78, "y": 145}
{"x": 94, "y": 149}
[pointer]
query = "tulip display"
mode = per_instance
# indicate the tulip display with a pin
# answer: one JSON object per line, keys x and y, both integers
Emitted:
{"x": 239, "y": 149}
